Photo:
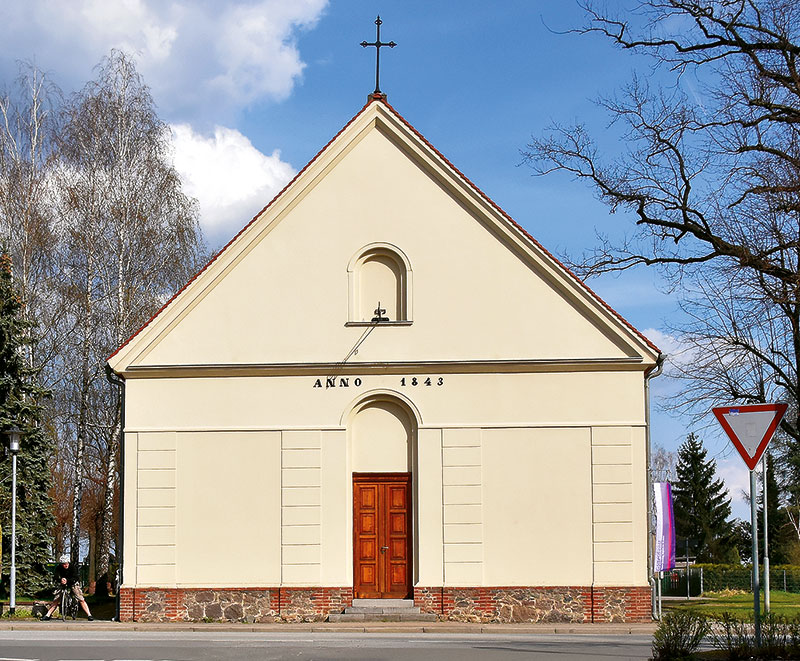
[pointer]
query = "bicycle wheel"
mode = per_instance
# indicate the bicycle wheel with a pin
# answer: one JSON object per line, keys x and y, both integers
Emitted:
{"x": 64, "y": 605}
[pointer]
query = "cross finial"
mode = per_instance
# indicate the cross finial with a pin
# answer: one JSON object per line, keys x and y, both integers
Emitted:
{"x": 379, "y": 312}
{"x": 378, "y": 43}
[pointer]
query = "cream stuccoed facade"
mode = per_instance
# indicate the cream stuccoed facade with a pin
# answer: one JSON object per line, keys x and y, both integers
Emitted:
{"x": 495, "y": 388}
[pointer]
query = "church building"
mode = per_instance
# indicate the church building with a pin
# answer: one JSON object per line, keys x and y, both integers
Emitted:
{"x": 384, "y": 388}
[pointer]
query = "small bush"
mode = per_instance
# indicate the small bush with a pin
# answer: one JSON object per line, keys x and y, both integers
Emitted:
{"x": 679, "y": 635}
{"x": 734, "y": 637}
{"x": 21, "y": 613}
{"x": 774, "y": 637}
{"x": 793, "y": 635}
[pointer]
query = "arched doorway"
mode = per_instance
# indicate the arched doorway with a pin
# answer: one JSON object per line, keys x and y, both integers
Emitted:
{"x": 383, "y": 438}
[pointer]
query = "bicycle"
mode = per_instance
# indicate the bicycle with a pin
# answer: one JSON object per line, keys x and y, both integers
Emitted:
{"x": 67, "y": 603}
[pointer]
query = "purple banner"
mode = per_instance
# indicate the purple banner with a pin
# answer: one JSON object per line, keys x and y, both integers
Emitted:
{"x": 664, "y": 552}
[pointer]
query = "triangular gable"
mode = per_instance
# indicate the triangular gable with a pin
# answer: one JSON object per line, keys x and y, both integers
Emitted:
{"x": 378, "y": 113}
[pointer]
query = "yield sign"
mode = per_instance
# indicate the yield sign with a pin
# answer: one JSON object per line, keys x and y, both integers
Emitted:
{"x": 750, "y": 427}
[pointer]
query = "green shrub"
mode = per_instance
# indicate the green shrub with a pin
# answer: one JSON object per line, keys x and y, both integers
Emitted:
{"x": 733, "y": 636}
{"x": 679, "y": 635}
{"x": 21, "y": 613}
{"x": 774, "y": 637}
{"x": 793, "y": 633}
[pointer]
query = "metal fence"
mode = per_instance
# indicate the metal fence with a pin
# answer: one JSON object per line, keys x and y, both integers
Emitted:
{"x": 715, "y": 578}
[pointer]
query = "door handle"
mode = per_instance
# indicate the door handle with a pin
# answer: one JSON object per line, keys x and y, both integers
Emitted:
{"x": 384, "y": 549}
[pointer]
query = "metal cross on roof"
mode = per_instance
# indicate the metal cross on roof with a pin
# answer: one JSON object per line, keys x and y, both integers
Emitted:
{"x": 378, "y": 43}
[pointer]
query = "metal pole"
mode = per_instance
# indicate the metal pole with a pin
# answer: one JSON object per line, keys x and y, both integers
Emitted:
{"x": 658, "y": 588}
{"x": 701, "y": 581}
{"x": 766, "y": 534}
{"x": 754, "y": 527}
{"x": 688, "y": 595}
{"x": 12, "y": 604}
{"x": 655, "y": 599}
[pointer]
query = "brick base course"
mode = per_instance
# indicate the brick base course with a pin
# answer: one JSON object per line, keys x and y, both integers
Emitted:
{"x": 462, "y": 604}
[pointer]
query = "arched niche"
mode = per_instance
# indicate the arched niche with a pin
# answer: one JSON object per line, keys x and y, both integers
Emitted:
{"x": 379, "y": 273}
{"x": 382, "y": 433}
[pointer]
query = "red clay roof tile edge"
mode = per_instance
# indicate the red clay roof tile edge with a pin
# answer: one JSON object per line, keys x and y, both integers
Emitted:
{"x": 382, "y": 99}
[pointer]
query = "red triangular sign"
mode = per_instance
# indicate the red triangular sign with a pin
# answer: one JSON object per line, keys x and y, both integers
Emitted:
{"x": 750, "y": 427}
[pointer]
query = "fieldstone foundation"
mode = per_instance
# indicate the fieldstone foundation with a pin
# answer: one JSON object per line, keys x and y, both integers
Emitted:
{"x": 536, "y": 604}
{"x": 232, "y": 604}
{"x": 461, "y": 604}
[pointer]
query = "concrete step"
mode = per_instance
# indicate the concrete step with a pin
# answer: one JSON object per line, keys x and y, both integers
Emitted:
{"x": 385, "y": 617}
{"x": 379, "y": 610}
{"x": 383, "y": 603}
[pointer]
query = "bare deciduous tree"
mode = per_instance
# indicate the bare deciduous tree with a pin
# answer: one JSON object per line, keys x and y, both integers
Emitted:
{"x": 712, "y": 182}
{"x": 137, "y": 239}
{"x": 101, "y": 235}
{"x": 662, "y": 465}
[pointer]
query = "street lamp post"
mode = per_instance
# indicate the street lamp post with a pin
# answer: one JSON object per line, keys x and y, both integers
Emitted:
{"x": 13, "y": 448}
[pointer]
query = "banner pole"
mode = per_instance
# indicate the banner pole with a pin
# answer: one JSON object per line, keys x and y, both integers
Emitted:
{"x": 766, "y": 531}
{"x": 754, "y": 528}
{"x": 660, "y": 577}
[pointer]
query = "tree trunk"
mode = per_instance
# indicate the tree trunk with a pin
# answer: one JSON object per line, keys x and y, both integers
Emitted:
{"x": 92, "y": 555}
{"x": 107, "y": 529}
{"x": 83, "y": 418}
{"x": 77, "y": 490}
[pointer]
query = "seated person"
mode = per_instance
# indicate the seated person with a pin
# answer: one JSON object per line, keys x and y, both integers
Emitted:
{"x": 67, "y": 575}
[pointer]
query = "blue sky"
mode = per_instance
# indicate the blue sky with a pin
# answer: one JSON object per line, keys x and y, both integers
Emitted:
{"x": 254, "y": 89}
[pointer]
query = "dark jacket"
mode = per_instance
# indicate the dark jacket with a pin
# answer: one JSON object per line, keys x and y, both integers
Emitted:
{"x": 70, "y": 573}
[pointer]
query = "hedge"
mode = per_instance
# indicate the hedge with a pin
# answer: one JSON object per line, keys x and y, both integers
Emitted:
{"x": 738, "y": 577}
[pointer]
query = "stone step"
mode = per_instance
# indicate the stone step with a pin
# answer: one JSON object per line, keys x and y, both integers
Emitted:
{"x": 383, "y": 603}
{"x": 386, "y": 617}
{"x": 379, "y": 610}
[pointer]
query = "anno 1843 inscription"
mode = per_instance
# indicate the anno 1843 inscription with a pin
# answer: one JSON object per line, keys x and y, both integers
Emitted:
{"x": 357, "y": 382}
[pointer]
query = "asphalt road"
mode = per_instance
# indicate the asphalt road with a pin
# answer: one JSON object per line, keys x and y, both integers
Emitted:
{"x": 251, "y": 646}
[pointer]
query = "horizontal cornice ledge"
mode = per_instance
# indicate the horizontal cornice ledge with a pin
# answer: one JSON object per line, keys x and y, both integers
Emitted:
{"x": 634, "y": 363}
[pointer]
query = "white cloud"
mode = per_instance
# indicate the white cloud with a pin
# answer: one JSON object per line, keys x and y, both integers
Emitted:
{"x": 258, "y": 52}
{"x": 667, "y": 343}
{"x": 196, "y": 57}
{"x": 678, "y": 353}
{"x": 736, "y": 477}
{"x": 230, "y": 178}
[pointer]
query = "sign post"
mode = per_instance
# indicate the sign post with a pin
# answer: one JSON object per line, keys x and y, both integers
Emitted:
{"x": 750, "y": 428}
{"x": 766, "y": 535}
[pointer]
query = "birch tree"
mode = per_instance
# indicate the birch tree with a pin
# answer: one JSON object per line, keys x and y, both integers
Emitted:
{"x": 136, "y": 239}
{"x": 28, "y": 116}
{"x": 28, "y": 123}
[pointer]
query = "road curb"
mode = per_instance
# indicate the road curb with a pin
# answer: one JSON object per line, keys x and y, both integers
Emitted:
{"x": 325, "y": 627}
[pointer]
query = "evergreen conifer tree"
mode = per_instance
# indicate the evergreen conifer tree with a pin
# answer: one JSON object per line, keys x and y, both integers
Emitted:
{"x": 20, "y": 407}
{"x": 701, "y": 505}
{"x": 780, "y": 531}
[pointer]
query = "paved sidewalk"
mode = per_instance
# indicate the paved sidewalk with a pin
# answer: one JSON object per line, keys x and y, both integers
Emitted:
{"x": 329, "y": 627}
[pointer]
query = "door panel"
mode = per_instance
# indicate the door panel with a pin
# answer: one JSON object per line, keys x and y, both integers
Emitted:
{"x": 366, "y": 546}
{"x": 381, "y": 535}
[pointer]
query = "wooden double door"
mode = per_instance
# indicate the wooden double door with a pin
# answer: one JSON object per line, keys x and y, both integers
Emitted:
{"x": 382, "y": 549}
